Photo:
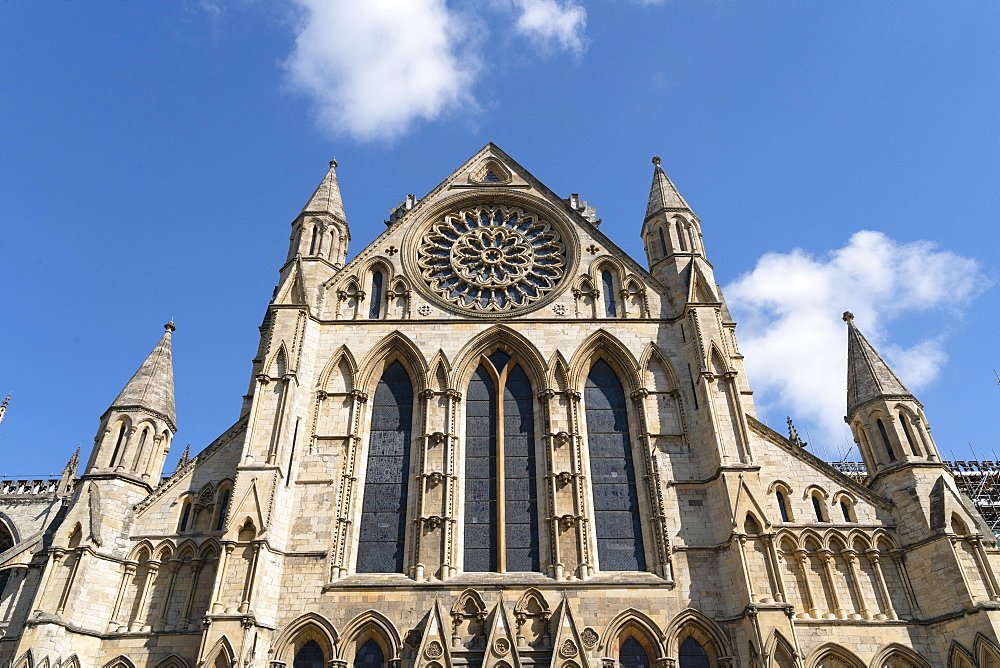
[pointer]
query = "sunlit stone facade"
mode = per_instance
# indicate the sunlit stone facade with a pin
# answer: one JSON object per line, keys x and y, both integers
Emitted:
{"x": 494, "y": 440}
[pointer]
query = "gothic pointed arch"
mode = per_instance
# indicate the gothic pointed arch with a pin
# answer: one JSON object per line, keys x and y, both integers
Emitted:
{"x": 468, "y": 600}
{"x": 370, "y": 625}
{"x": 832, "y": 655}
{"x": 490, "y": 171}
{"x": 395, "y": 346}
{"x": 896, "y": 655}
{"x": 26, "y": 660}
{"x": 517, "y": 345}
{"x": 781, "y": 652}
{"x": 440, "y": 371}
{"x": 221, "y": 655}
{"x": 557, "y": 376}
{"x": 658, "y": 374}
{"x": 532, "y": 613}
{"x": 173, "y": 661}
{"x": 959, "y": 657}
{"x": 632, "y": 622}
{"x": 604, "y": 345}
{"x": 9, "y": 535}
{"x": 121, "y": 661}
{"x": 340, "y": 371}
{"x": 277, "y": 366}
{"x": 142, "y": 551}
{"x": 74, "y": 662}
{"x": 310, "y": 627}
{"x": 696, "y": 624}
{"x": 986, "y": 651}
{"x": 532, "y": 601}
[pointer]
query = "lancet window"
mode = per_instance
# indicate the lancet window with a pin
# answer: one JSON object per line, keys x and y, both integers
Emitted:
{"x": 310, "y": 656}
{"x": 885, "y": 440}
{"x": 693, "y": 655}
{"x": 608, "y": 290}
{"x": 501, "y": 507}
{"x": 383, "y": 510}
{"x": 369, "y": 655}
{"x": 375, "y": 306}
{"x": 616, "y": 500}
{"x": 632, "y": 654}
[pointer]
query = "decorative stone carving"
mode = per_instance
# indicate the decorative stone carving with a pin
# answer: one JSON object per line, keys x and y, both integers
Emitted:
{"x": 495, "y": 259}
{"x": 568, "y": 649}
{"x": 412, "y": 639}
{"x": 501, "y": 646}
{"x": 590, "y": 638}
{"x": 434, "y": 650}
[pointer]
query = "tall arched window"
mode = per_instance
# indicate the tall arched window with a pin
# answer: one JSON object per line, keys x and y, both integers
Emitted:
{"x": 885, "y": 440}
{"x": 220, "y": 520}
{"x": 681, "y": 233}
{"x": 118, "y": 445}
{"x": 905, "y": 421}
{"x": 693, "y": 655}
{"x": 139, "y": 448}
{"x": 663, "y": 242}
{"x": 616, "y": 500}
{"x": 608, "y": 288}
{"x": 500, "y": 465}
{"x": 369, "y": 656}
{"x": 779, "y": 496}
{"x": 383, "y": 510}
{"x": 818, "y": 508}
{"x": 375, "y": 306}
{"x": 633, "y": 654}
{"x": 309, "y": 656}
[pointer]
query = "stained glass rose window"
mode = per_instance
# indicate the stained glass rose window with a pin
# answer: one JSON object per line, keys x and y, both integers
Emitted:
{"x": 492, "y": 259}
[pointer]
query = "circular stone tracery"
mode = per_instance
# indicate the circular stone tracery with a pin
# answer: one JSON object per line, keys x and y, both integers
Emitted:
{"x": 492, "y": 259}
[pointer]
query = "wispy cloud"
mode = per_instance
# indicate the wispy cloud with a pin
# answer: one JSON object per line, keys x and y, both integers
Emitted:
{"x": 374, "y": 67}
{"x": 789, "y": 309}
{"x": 549, "y": 23}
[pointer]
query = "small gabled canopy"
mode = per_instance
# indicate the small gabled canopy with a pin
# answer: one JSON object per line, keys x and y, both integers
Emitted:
{"x": 868, "y": 376}
{"x": 326, "y": 199}
{"x": 152, "y": 386}
{"x": 663, "y": 195}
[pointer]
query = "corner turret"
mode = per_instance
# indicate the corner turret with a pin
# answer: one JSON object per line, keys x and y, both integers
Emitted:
{"x": 137, "y": 428}
{"x": 887, "y": 421}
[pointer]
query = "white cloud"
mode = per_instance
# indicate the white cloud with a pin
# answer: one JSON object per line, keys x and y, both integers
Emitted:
{"x": 551, "y": 23}
{"x": 789, "y": 308}
{"x": 374, "y": 67}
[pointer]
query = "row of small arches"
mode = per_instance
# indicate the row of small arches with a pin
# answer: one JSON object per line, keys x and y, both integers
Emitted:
{"x": 674, "y": 235}
{"x": 133, "y": 449}
{"x": 842, "y": 504}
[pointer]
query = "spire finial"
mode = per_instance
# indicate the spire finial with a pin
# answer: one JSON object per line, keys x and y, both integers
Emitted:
{"x": 333, "y": 163}
{"x": 848, "y": 317}
{"x": 3, "y": 406}
{"x": 656, "y": 159}
{"x": 170, "y": 326}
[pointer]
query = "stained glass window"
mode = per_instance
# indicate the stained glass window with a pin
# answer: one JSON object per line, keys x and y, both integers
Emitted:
{"x": 310, "y": 656}
{"x": 383, "y": 511}
{"x": 616, "y": 501}
{"x": 632, "y": 654}
{"x": 375, "y": 306}
{"x": 608, "y": 288}
{"x": 369, "y": 656}
{"x": 693, "y": 655}
{"x": 481, "y": 474}
{"x": 487, "y": 421}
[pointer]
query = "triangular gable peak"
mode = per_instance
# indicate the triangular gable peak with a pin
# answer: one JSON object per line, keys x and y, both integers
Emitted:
{"x": 492, "y": 192}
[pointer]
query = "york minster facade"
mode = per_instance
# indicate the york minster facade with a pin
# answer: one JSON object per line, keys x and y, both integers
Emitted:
{"x": 493, "y": 440}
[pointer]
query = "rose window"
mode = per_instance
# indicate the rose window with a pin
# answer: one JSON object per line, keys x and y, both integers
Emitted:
{"x": 492, "y": 259}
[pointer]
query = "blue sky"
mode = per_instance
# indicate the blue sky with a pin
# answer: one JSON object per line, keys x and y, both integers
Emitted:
{"x": 840, "y": 155}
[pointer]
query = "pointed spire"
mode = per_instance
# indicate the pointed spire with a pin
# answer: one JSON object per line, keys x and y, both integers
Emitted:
{"x": 73, "y": 464}
{"x": 3, "y": 406}
{"x": 868, "y": 376}
{"x": 185, "y": 457}
{"x": 326, "y": 198}
{"x": 152, "y": 386}
{"x": 663, "y": 194}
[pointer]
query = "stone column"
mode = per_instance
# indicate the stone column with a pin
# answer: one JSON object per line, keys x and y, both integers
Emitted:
{"x": 185, "y": 619}
{"x": 802, "y": 558}
{"x": 251, "y": 578}
{"x": 829, "y": 569}
{"x": 64, "y": 597}
{"x": 161, "y": 622}
{"x": 874, "y": 558}
{"x": 985, "y": 569}
{"x": 217, "y": 605}
{"x": 129, "y": 574}
{"x": 772, "y": 558}
{"x": 851, "y": 557}
{"x": 741, "y": 539}
{"x": 139, "y": 623}
{"x": 899, "y": 559}
{"x": 55, "y": 556}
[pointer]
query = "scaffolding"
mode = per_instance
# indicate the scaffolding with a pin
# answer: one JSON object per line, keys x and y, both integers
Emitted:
{"x": 979, "y": 480}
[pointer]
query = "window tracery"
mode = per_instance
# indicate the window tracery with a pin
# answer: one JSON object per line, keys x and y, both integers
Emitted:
{"x": 492, "y": 259}
{"x": 501, "y": 507}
